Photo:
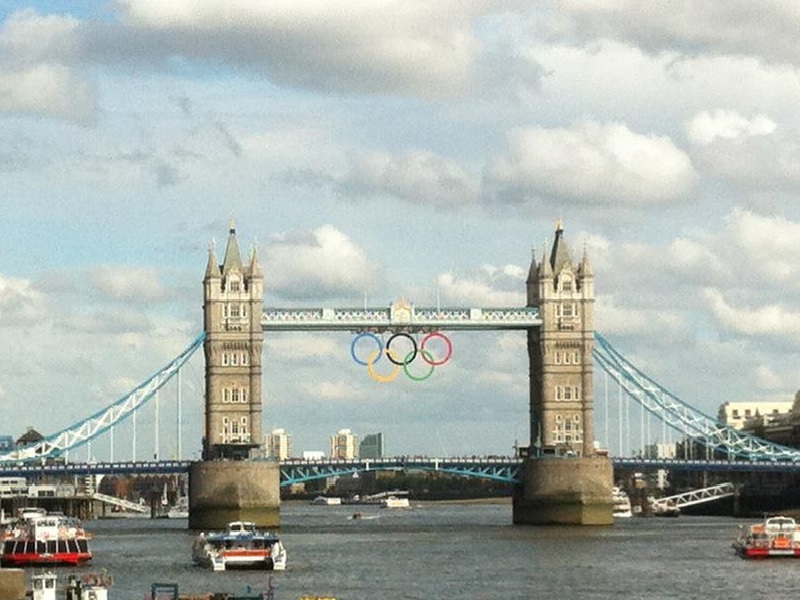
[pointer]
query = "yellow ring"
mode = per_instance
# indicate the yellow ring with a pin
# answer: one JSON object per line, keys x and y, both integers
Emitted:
{"x": 381, "y": 378}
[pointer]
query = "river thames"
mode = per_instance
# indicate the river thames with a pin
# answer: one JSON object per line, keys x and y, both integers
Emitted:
{"x": 452, "y": 551}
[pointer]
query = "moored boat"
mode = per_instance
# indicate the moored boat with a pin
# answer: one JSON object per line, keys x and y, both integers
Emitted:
{"x": 241, "y": 545}
{"x": 45, "y": 540}
{"x": 395, "y": 502}
{"x": 622, "y": 503}
{"x": 327, "y": 500}
{"x": 775, "y": 537}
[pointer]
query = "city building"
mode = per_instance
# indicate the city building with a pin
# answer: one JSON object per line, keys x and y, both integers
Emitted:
{"x": 738, "y": 414}
{"x": 371, "y": 446}
{"x": 6, "y": 443}
{"x": 278, "y": 444}
{"x": 343, "y": 444}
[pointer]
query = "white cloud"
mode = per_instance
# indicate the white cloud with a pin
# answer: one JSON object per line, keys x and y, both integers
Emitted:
{"x": 478, "y": 291}
{"x": 767, "y": 320}
{"x": 592, "y": 163}
{"x": 49, "y": 90}
{"x": 424, "y": 49}
{"x": 418, "y": 177}
{"x": 318, "y": 264}
{"x": 767, "y": 30}
{"x": 708, "y": 126}
{"x": 121, "y": 283}
{"x": 20, "y": 302}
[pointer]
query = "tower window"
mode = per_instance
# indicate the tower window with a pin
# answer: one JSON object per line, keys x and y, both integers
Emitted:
{"x": 235, "y": 285}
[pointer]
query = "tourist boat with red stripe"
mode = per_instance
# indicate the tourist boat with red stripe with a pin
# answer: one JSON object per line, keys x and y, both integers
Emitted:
{"x": 241, "y": 545}
{"x": 775, "y": 537}
{"x": 45, "y": 540}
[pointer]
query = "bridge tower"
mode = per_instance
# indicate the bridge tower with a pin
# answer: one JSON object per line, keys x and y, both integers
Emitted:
{"x": 565, "y": 481}
{"x": 226, "y": 485}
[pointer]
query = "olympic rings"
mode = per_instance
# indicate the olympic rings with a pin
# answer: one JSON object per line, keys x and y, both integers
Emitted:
{"x": 415, "y": 350}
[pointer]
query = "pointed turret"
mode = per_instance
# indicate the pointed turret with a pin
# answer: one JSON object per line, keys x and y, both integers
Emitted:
{"x": 254, "y": 267}
{"x": 212, "y": 268}
{"x": 585, "y": 267}
{"x": 232, "y": 258}
{"x": 559, "y": 256}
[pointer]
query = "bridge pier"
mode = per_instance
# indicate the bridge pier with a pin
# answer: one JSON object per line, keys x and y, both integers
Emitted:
{"x": 225, "y": 491}
{"x": 565, "y": 491}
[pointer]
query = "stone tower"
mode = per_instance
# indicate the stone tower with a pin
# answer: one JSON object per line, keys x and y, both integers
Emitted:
{"x": 560, "y": 353}
{"x": 232, "y": 308}
{"x": 225, "y": 486}
{"x": 564, "y": 481}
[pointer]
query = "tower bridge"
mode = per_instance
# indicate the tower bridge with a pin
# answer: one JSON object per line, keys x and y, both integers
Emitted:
{"x": 558, "y": 319}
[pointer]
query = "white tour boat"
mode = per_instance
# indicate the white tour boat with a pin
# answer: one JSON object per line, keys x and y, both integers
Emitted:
{"x": 241, "y": 545}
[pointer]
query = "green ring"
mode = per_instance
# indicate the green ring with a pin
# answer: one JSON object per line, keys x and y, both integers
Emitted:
{"x": 406, "y": 362}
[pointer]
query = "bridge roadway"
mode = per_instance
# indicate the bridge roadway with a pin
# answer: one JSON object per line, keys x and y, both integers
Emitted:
{"x": 297, "y": 470}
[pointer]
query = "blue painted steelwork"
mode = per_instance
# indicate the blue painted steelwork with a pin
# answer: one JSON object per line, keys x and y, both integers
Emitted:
{"x": 505, "y": 469}
{"x": 683, "y": 418}
{"x": 82, "y": 432}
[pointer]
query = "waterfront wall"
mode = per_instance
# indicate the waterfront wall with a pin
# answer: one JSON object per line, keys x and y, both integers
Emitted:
{"x": 225, "y": 491}
{"x": 12, "y": 584}
{"x": 565, "y": 491}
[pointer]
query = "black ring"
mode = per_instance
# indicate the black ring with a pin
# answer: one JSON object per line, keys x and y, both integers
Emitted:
{"x": 401, "y": 362}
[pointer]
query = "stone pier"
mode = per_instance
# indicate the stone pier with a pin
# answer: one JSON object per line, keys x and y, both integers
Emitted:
{"x": 224, "y": 491}
{"x": 565, "y": 491}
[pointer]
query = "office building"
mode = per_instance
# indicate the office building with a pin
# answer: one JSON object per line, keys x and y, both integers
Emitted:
{"x": 343, "y": 445}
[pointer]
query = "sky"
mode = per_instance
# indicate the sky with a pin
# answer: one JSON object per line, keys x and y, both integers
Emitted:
{"x": 372, "y": 150}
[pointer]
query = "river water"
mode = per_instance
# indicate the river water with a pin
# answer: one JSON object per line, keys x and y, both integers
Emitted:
{"x": 452, "y": 551}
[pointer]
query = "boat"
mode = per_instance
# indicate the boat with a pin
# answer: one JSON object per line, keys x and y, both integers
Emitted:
{"x": 392, "y": 499}
{"x": 241, "y": 545}
{"x": 666, "y": 508}
{"x": 622, "y": 503}
{"x": 90, "y": 586}
{"x": 774, "y": 537}
{"x": 327, "y": 500}
{"x": 45, "y": 539}
{"x": 394, "y": 502}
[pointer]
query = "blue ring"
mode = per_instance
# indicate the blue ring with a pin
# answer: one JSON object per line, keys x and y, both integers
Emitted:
{"x": 378, "y": 343}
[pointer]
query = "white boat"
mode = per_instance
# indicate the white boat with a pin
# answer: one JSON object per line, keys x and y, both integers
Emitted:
{"x": 90, "y": 586}
{"x": 327, "y": 500}
{"x": 40, "y": 539}
{"x": 622, "y": 504}
{"x": 394, "y": 502}
{"x": 392, "y": 499}
{"x": 241, "y": 545}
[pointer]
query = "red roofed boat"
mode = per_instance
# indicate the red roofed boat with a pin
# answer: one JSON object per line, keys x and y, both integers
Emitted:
{"x": 45, "y": 539}
{"x": 775, "y": 537}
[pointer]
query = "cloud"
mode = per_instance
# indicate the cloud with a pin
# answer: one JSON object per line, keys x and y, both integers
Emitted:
{"x": 47, "y": 90}
{"x": 361, "y": 46}
{"x": 766, "y": 30}
{"x": 770, "y": 320}
{"x": 708, "y": 126}
{"x": 487, "y": 287}
{"x": 592, "y": 163}
{"x": 319, "y": 264}
{"x": 418, "y": 177}
{"x": 127, "y": 284}
{"x": 20, "y": 302}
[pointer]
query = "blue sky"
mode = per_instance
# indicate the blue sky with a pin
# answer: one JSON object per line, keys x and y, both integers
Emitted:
{"x": 387, "y": 149}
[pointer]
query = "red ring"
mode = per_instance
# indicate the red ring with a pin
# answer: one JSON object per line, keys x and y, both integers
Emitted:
{"x": 436, "y": 363}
